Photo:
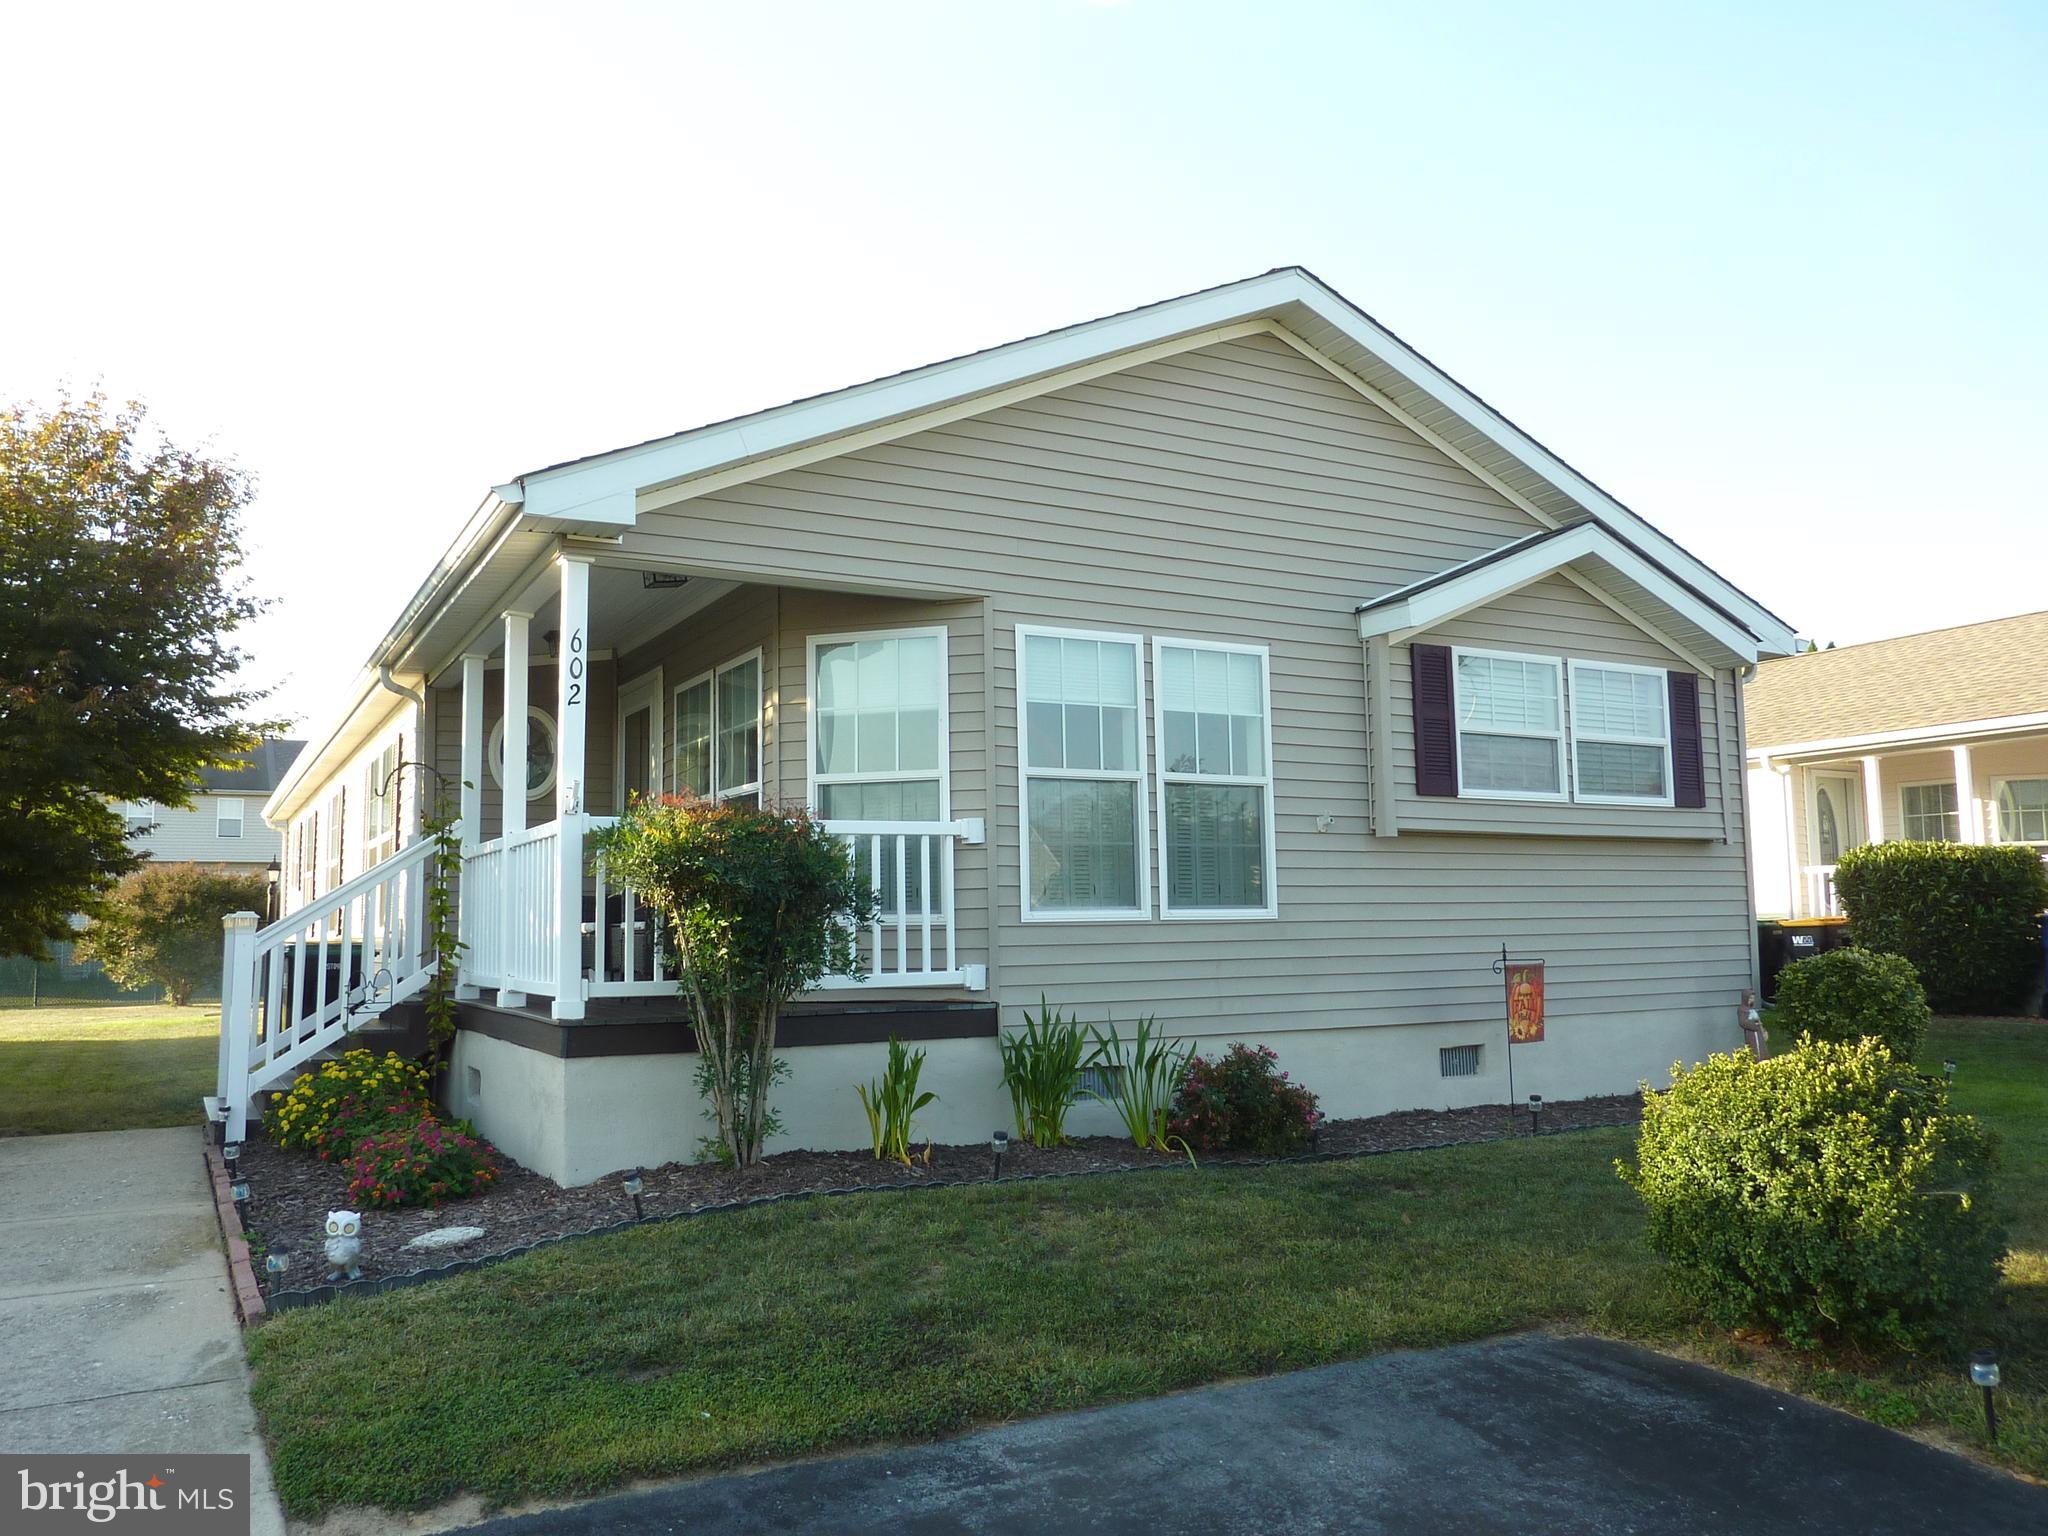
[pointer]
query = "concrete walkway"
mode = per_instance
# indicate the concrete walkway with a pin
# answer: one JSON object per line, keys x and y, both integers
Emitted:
{"x": 116, "y": 1329}
{"x": 1523, "y": 1435}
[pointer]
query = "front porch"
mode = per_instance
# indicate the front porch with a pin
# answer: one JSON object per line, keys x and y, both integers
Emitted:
{"x": 598, "y": 678}
{"x": 1982, "y": 790}
{"x": 668, "y": 681}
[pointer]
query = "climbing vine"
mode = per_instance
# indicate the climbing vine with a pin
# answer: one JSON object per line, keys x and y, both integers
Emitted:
{"x": 444, "y": 827}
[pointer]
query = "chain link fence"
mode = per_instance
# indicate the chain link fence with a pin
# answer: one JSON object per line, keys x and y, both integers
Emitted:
{"x": 63, "y": 979}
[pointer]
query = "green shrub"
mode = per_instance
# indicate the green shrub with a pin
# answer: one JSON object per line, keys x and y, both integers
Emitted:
{"x": 1968, "y": 918}
{"x": 1242, "y": 1102}
{"x": 1846, "y": 994}
{"x": 331, "y": 1108}
{"x": 423, "y": 1163}
{"x": 1829, "y": 1190}
{"x": 1042, "y": 1069}
{"x": 892, "y": 1102}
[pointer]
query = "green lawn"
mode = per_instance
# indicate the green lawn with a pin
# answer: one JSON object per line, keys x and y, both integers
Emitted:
{"x": 105, "y": 1067}
{"x": 801, "y": 1327}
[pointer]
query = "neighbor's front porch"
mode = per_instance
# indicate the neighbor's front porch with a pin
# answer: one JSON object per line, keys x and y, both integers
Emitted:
{"x": 1991, "y": 789}
{"x": 609, "y": 682}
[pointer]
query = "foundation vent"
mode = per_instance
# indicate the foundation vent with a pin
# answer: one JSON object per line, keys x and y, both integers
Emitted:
{"x": 1102, "y": 1080}
{"x": 1458, "y": 1061}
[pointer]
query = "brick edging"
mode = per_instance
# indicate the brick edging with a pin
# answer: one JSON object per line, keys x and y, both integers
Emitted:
{"x": 248, "y": 1295}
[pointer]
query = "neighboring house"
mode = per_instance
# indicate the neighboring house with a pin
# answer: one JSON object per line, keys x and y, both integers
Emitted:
{"x": 1940, "y": 737}
{"x": 1221, "y": 661}
{"x": 224, "y": 823}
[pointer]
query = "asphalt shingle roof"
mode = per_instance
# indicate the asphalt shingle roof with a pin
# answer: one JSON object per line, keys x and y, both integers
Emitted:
{"x": 259, "y": 773}
{"x": 1943, "y": 677}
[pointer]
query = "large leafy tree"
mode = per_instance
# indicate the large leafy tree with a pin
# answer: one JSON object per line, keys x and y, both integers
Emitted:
{"x": 120, "y": 588}
{"x": 161, "y": 927}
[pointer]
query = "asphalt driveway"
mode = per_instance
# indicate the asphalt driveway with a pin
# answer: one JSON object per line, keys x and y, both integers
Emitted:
{"x": 1530, "y": 1434}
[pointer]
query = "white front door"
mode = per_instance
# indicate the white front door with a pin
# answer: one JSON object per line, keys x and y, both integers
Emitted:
{"x": 638, "y": 740}
{"x": 1838, "y": 823}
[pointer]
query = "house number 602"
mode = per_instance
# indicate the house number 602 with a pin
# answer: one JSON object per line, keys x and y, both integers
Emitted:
{"x": 575, "y": 666}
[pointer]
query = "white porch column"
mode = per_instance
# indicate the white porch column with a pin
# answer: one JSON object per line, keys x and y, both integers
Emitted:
{"x": 572, "y": 697}
{"x": 1969, "y": 817}
{"x": 1795, "y": 882}
{"x": 1873, "y": 802}
{"x": 514, "y": 818}
{"x": 472, "y": 800}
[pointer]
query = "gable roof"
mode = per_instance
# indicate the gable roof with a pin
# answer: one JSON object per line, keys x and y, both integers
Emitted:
{"x": 1705, "y": 631}
{"x": 256, "y": 773}
{"x": 1966, "y": 675}
{"x": 603, "y": 489}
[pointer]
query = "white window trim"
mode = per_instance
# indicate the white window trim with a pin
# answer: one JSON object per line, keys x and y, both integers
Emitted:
{"x": 220, "y": 816}
{"x": 494, "y": 750}
{"x": 629, "y": 701}
{"x": 674, "y": 777}
{"x": 1573, "y": 666}
{"x": 1997, "y": 827}
{"x": 812, "y": 645}
{"x": 728, "y": 791}
{"x": 1141, "y": 777}
{"x": 1900, "y": 800}
{"x": 1558, "y": 737}
{"x": 1163, "y": 777}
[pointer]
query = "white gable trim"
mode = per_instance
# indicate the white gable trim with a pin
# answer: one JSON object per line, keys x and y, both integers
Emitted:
{"x": 1403, "y": 614}
{"x": 605, "y": 490}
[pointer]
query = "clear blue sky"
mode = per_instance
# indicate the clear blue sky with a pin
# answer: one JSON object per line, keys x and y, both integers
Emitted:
{"x": 1773, "y": 274}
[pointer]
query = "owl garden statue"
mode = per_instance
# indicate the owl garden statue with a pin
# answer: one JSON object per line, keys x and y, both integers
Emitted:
{"x": 344, "y": 1245}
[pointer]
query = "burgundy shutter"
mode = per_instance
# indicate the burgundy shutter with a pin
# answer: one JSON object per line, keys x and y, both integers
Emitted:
{"x": 1436, "y": 748}
{"x": 1688, "y": 756}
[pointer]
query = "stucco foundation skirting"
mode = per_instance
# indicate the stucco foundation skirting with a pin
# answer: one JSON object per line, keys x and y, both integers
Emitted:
{"x": 289, "y": 1300}
{"x": 248, "y": 1295}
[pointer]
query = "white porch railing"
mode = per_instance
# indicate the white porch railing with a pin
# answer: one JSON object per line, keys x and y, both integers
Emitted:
{"x": 291, "y": 990}
{"x": 1821, "y": 899}
{"x": 510, "y": 923}
{"x": 506, "y": 914}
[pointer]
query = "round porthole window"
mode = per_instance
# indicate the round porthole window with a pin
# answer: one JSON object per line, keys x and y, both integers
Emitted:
{"x": 540, "y": 753}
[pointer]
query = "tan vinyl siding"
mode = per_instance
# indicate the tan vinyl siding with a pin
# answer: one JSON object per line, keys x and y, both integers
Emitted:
{"x": 445, "y": 718}
{"x": 1242, "y": 493}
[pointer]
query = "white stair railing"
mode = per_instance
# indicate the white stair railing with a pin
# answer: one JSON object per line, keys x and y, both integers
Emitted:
{"x": 291, "y": 990}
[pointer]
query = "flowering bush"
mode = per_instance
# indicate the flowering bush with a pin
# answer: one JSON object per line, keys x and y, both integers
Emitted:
{"x": 421, "y": 1164}
{"x": 333, "y": 1107}
{"x": 1241, "y": 1102}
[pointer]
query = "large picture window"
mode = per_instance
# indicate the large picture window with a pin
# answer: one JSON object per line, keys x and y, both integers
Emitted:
{"x": 1212, "y": 718}
{"x": 1621, "y": 733}
{"x": 1082, "y": 772}
{"x": 1510, "y": 721}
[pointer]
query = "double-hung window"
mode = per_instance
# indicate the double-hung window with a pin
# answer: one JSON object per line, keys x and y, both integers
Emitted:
{"x": 1509, "y": 711}
{"x": 2023, "y": 811}
{"x": 380, "y": 807}
{"x": 878, "y": 741}
{"x": 1213, "y": 721}
{"x": 1082, "y": 766}
{"x": 718, "y": 732}
{"x": 227, "y": 818}
{"x": 1621, "y": 734}
{"x": 1930, "y": 813}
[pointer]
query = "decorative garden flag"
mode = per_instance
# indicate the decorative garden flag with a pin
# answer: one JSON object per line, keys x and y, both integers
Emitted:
{"x": 1525, "y": 1002}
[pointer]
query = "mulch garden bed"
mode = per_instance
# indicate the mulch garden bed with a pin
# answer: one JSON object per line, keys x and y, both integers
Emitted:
{"x": 293, "y": 1191}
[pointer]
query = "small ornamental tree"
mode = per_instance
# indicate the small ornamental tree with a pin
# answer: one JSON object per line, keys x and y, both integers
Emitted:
{"x": 762, "y": 906}
{"x": 161, "y": 927}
